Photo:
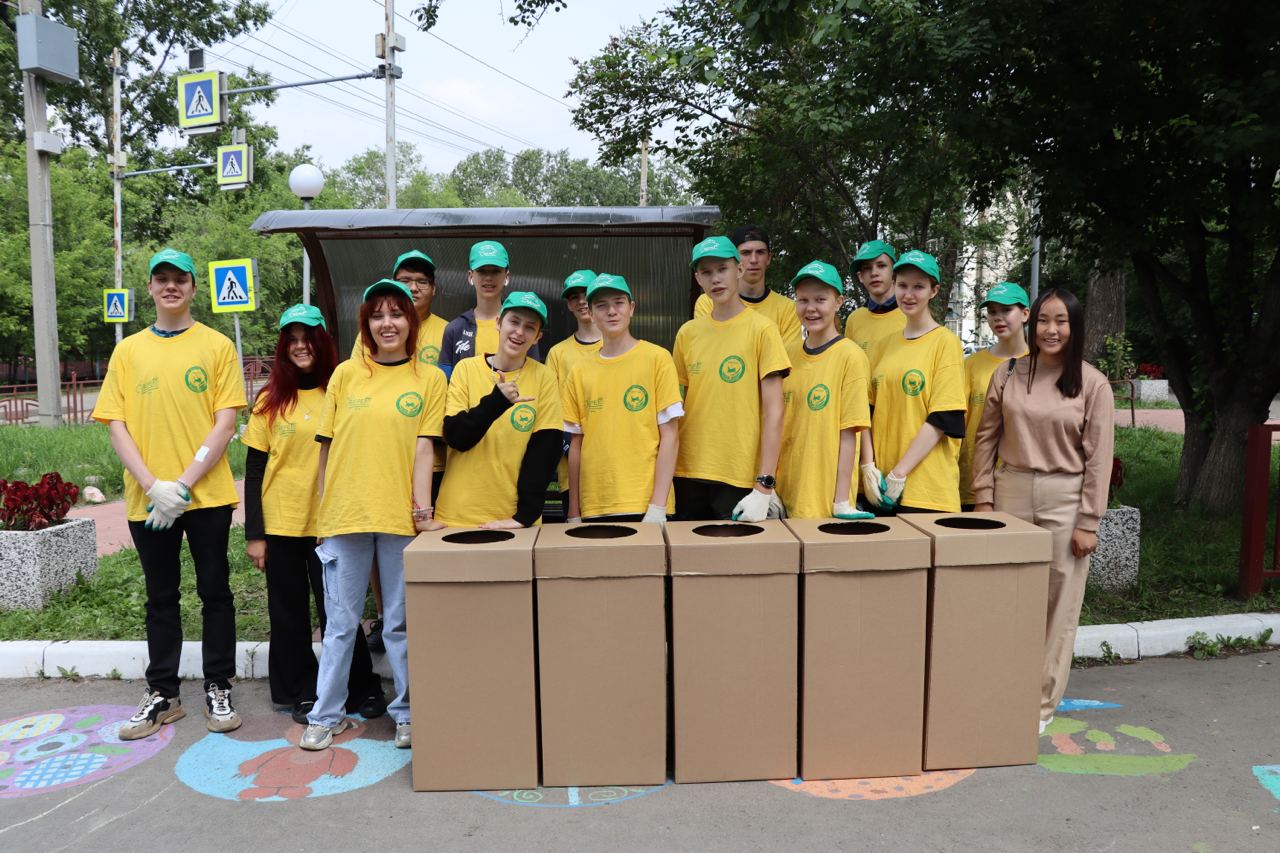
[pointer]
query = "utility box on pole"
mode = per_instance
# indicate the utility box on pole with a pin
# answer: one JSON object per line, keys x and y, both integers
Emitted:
{"x": 48, "y": 49}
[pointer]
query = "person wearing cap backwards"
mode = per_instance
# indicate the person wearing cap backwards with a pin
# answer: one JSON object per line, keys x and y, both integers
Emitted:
{"x": 880, "y": 317}
{"x": 731, "y": 363}
{"x": 504, "y": 427}
{"x": 573, "y": 350}
{"x": 1006, "y": 305}
{"x": 825, "y": 404}
{"x": 752, "y": 243}
{"x": 917, "y": 395}
{"x": 380, "y": 417}
{"x": 169, "y": 401}
{"x": 280, "y": 514}
{"x": 621, "y": 405}
{"x": 475, "y": 332}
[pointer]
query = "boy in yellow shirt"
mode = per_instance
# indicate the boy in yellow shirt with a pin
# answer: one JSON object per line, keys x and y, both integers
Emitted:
{"x": 621, "y": 406}
{"x": 752, "y": 243}
{"x": 731, "y": 364}
{"x": 475, "y": 332}
{"x": 880, "y": 317}
{"x": 825, "y": 403}
{"x": 572, "y": 351}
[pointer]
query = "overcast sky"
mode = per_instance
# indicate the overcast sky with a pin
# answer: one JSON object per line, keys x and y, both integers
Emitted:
{"x": 330, "y": 38}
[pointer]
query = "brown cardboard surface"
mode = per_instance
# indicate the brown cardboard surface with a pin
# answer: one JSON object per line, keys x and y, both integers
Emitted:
{"x": 982, "y": 538}
{"x": 831, "y": 545}
{"x": 603, "y": 679}
{"x": 716, "y": 548}
{"x": 465, "y": 555}
{"x": 600, "y": 551}
{"x": 734, "y": 651}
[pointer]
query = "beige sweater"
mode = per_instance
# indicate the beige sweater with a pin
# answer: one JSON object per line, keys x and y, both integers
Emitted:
{"x": 1041, "y": 430}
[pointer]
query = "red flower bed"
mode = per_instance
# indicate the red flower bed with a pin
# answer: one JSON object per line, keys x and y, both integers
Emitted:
{"x": 27, "y": 507}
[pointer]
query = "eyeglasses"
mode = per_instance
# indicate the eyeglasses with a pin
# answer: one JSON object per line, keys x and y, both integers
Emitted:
{"x": 417, "y": 281}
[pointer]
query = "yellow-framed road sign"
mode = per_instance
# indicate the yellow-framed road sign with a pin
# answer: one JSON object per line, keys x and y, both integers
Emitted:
{"x": 200, "y": 100}
{"x": 117, "y": 305}
{"x": 235, "y": 166}
{"x": 232, "y": 285}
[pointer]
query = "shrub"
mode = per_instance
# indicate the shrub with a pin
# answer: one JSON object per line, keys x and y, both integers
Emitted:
{"x": 1117, "y": 360}
{"x": 27, "y": 507}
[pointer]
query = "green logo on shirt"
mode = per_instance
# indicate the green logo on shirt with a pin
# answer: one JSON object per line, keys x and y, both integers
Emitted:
{"x": 635, "y": 398}
{"x": 284, "y": 429}
{"x": 197, "y": 380}
{"x": 409, "y": 404}
{"x": 429, "y": 354}
{"x": 358, "y": 403}
{"x": 595, "y": 404}
{"x": 913, "y": 383}
{"x": 523, "y": 416}
{"x": 819, "y": 396}
{"x": 151, "y": 385}
{"x": 732, "y": 369}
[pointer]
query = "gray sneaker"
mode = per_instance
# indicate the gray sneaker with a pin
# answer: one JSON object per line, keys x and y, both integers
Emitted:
{"x": 318, "y": 737}
{"x": 218, "y": 710}
{"x": 153, "y": 712}
{"x": 404, "y": 735}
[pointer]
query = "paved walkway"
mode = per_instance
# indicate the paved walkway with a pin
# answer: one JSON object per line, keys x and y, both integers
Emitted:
{"x": 113, "y": 527}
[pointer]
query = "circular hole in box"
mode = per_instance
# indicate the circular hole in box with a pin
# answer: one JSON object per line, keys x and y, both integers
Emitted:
{"x": 965, "y": 522}
{"x": 727, "y": 531}
{"x": 600, "y": 531}
{"x": 478, "y": 537}
{"x": 853, "y": 528}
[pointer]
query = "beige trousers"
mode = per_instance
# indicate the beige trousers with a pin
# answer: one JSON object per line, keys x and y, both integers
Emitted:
{"x": 1051, "y": 501}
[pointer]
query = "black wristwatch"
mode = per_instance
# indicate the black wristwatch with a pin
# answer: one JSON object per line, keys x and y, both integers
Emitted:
{"x": 767, "y": 480}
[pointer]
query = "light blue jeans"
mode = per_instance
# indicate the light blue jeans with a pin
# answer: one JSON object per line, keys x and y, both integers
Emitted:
{"x": 347, "y": 561}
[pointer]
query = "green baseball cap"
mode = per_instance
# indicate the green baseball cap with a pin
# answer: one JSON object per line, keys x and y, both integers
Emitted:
{"x": 413, "y": 255}
{"x": 489, "y": 253}
{"x": 873, "y": 249}
{"x": 607, "y": 281}
{"x": 714, "y": 247}
{"x": 525, "y": 299}
{"x": 823, "y": 272}
{"x": 173, "y": 258}
{"x": 580, "y": 278}
{"x": 922, "y": 261}
{"x": 386, "y": 285}
{"x": 1007, "y": 293}
{"x": 307, "y": 315}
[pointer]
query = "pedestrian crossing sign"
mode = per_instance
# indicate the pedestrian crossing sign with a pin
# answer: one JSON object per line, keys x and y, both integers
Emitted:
{"x": 231, "y": 285}
{"x": 200, "y": 100}
{"x": 235, "y": 166}
{"x": 117, "y": 305}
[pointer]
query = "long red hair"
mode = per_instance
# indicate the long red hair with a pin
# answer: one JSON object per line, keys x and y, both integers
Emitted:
{"x": 397, "y": 300}
{"x": 280, "y": 394}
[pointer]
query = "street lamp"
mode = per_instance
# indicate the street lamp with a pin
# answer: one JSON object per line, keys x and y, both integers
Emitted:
{"x": 306, "y": 181}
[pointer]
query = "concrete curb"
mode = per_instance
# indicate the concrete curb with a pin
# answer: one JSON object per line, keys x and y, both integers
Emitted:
{"x": 128, "y": 659}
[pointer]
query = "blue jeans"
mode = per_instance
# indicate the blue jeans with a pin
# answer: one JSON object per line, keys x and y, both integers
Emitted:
{"x": 346, "y": 562}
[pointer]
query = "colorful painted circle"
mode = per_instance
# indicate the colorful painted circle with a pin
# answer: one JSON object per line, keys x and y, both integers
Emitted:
{"x": 885, "y": 788}
{"x": 69, "y": 746}
{"x": 569, "y": 798}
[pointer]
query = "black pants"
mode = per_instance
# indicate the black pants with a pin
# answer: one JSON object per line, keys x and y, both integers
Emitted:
{"x": 158, "y": 550}
{"x": 705, "y": 500}
{"x": 627, "y": 517}
{"x": 294, "y": 580}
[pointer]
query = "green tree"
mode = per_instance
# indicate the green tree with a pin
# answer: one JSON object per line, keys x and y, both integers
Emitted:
{"x": 363, "y": 178}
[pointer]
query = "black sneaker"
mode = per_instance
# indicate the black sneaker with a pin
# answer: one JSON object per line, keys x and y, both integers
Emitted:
{"x": 373, "y": 705}
{"x": 218, "y": 710}
{"x": 300, "y": 711}
{"x": 375, "y": 636}
{"x": 153, "y": 712}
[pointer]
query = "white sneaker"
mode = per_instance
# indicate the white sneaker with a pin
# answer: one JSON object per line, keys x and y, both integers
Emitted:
{"x": 404, "y": 735}
{"x": 1044, "y": 724}
{"x": 318, "y": 737}
{"x": 153, "y": 712}
{"x": 218, "y": 710}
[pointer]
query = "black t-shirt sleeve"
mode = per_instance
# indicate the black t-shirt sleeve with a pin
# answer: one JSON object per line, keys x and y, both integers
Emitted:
{"x": 255, "y": 469}
{"x": 951, "y": 423}
{"x": 464, "y": 430}
{"x": 537, "y": 469}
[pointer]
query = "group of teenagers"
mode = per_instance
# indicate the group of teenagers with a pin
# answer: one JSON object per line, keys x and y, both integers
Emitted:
{"x": 763, "y": 408}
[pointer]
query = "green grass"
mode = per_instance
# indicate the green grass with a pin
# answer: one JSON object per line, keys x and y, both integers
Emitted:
{"x": 81, "y": 454}
{"x": 1189, "y": 562}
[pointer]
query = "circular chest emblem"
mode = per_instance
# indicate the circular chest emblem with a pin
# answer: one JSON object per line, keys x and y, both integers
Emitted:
{"x": 523, "y": 416}
{"x": 409, "y": 404}
{"x": 732, "y": 368}
{"x": 197, "y": 380}
{"x": 635, "y": 398}
{"x": 913, "y": 383}
{"x": 818, "y": 397}
{"x": 429, "y": 354}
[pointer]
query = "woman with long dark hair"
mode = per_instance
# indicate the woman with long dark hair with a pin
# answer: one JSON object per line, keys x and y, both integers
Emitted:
{"x": 1049, "y": 419}
{"x": 280, "y": 514}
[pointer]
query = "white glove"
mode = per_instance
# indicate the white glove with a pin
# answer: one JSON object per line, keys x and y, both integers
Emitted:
{"x": 754, "y": 507}
{"x": 170, "y": 497}
{"x": 846, "y": 510}
{"x": 575, "y": 520}
{"x": 871, "y": 478}
{"x": 655, "y": 514}
{"x": 157, "y": 519}
{"x": 776, "y": 509}
{"x": 893, "y": 487}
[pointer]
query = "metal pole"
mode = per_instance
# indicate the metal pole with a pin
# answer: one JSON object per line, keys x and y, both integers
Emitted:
{"x": 391, "y": 104}
{"x": 239, "y": 350}
{"x": 275, "y": 87}
{"x": 1035, "y": 249}
{"x": 306, "y": 265}
{"x": 644, "y": 173}
{"x": 44, "y": 303}
{"x": 116, "y": 212}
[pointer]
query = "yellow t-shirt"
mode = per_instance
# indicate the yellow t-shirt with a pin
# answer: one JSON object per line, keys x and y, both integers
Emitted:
{"x": 824, "y": 394}
{"x": 562, "y": 358}
{"x": 775, "y": 306}
{"x": 486, "y": 337}
{"x": 721, "y": 365}
{"x": 865, "y": 328}
{"x": 911, "y": 380}
{"x": 166, "y": 390}
{"x": 374, "y": 414}
{"x": 977, "y": 376}
{"x": 289, "y": 501}
{"x": 480, "y": 483}
{"x": 616, "y": 402}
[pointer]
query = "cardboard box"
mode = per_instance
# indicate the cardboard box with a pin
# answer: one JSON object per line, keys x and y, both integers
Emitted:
{"x": 864, "y": 587}
{"x": 987, "y": 603}
{"x": 735, "y": 632}
{"x": 602, "y": 654}
{"x": 469, "y": 602}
